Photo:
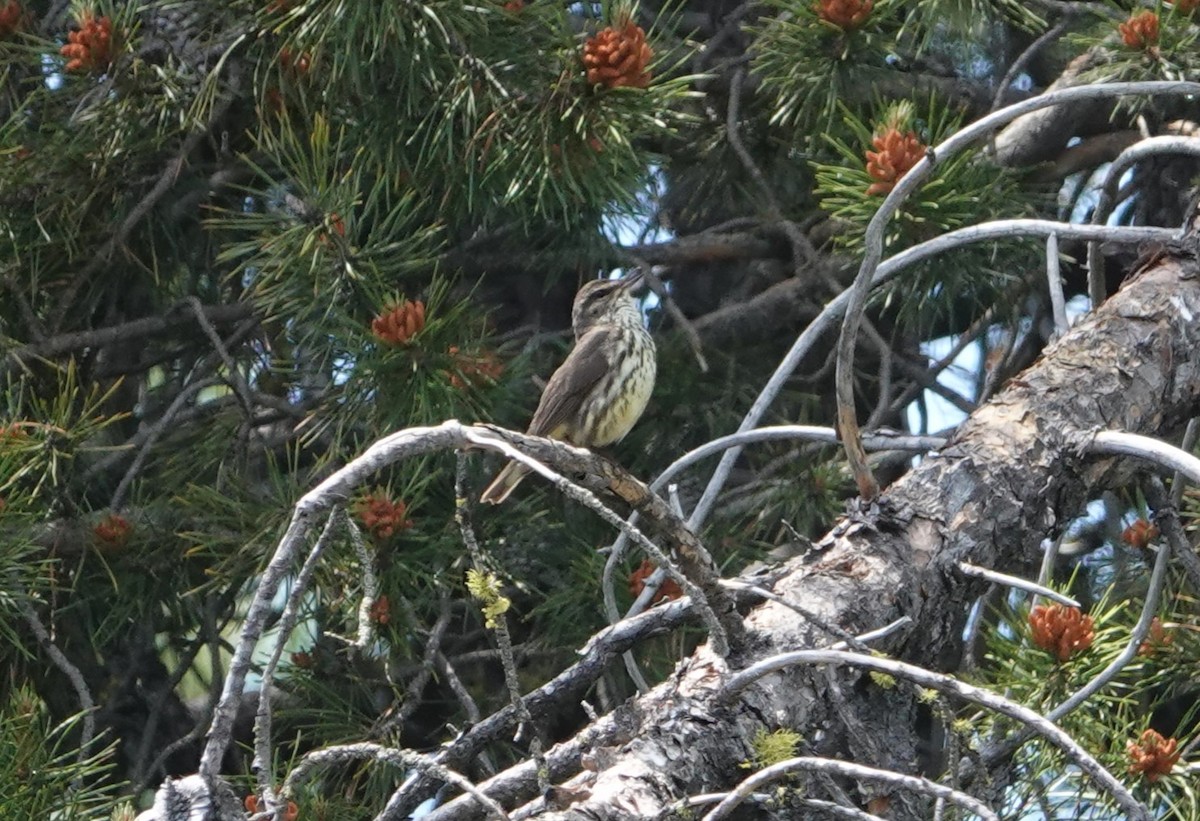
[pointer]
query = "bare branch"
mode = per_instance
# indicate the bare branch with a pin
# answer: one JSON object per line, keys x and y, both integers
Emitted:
{"x": 1166, "y": 456}
{"x": 263, "y": 752}
{"x": 86, "y": 703}
{"x": 1017, "y": 582}
{"x": 1054, "y": 279}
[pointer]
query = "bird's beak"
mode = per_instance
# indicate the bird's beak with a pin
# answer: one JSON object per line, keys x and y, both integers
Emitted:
{"x": 632, "y": 281}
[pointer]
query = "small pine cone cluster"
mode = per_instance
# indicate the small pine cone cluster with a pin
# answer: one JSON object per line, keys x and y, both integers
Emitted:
{"x": 1061, "y": 631}
{"x": 473, "y": 369}
{"x": 1157, "y": 639}
{"x": 112, "y": 532}
{"x": 845, "y": 14}
{"x": 89, "y": 48}
{"x": 1140, "y": 31}
{"x": 381, "y": 611}
{"x": 334, "y": 224}
{"x": 399, "y": 324}
{"x": 382, "y": 517}
{"x": 1140, "y": 534}
{"x": 12, "y": 17}
{"x": 667, "y": 591}
{"x": 1152, "y": 755}
{"x": 295, "y": 63}
{"x": 618, "y": 56}
{"x": 290, "y": 814}
{"x": 13, "y": 434}
{"x": 895, "y": 153}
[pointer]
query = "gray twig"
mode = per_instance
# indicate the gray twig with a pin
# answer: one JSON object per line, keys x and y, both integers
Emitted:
{"x": 1054, "y": 279}
{"x": 1015, "y": 581}
{"x": 263, "y": 753}
{"x": 86, "y": 703}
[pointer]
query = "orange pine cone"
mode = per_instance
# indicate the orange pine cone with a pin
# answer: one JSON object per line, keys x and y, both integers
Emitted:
{"x": 112, "y": 533}
{"x": 618, "y": 56}
{"x": 12, "y": 16}
{"x": 667, "y": 591}
{"x": 1140, "y": 31}
{"x": 1152, "y": 755}
{"x": 473, "y": 369}
{"x": 1158, "y": 638}
{"x": 1186, "y": 6}
{"x": 382, "y": 517}
{"x": 845, "y": 14}
{"x": 90, "y": 47}
{"x": 381, "y": 610}
{"x": 399, "y": 324}
{"x": 1061, "y": 631}
{"x": 895, "y": 153}
{"x": 294, "y": 63}
{"x": 1140, "y": 534}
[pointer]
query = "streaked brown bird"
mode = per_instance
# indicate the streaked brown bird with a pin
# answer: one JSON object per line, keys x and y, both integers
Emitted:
{"x": 602, "y": 387}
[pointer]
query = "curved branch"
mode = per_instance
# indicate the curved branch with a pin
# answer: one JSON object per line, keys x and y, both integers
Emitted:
{"x": 1097, "y": 292}
{"x": 874, "y": 238}
{"x": 852, "y": 770}
{"x": 835, "y": 308}
{"x": 952, "y": 686}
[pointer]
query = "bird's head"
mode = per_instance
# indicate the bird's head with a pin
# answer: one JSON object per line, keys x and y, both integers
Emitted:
{"x": 605, "y": 301}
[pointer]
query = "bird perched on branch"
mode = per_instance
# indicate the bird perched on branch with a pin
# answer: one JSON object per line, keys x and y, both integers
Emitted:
{"x": 602, "y": 387}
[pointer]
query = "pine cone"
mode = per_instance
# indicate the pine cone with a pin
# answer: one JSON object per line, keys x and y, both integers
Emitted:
{"x": 667, "y": 591}
{"x": 1158, "y": 638}
{"x": 845, "y": 14}
{"x": 618, "y": 57}
{"x": 1152, "y": 755}
{"x": 398, "y": 325}
{"x": 89, "y": 48}
{"x": 12, "y": 17}
{"x": 895, "y": 153}
{"x": 1140, "y": 534}
{"x": 1185, "y": 6}
{"x": 473, "y": 369}
{"x": 113, "y": 532}
{"x": 1061, "y": 631}
{"x": 295, "y": 63}
{"x": 1140, "y": 31}
{"x": 382, "y": 517}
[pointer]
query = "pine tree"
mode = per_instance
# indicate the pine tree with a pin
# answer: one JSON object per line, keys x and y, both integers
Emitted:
{"x": 241, "y": 242}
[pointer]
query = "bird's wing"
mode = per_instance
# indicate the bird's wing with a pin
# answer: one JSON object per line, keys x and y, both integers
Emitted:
{"x": 571, "y": 383}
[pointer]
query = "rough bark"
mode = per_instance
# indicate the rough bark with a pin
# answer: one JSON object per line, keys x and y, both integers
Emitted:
{"x": 1010, "y": 476}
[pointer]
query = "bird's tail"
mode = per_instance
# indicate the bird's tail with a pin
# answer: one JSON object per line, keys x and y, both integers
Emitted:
{"x": 506, "y": 482}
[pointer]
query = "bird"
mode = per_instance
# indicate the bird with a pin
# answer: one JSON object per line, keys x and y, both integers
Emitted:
{"x": 602, "y": 387}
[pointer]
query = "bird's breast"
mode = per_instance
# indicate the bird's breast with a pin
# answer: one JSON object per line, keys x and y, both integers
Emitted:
{"x": 631, "y": 391}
